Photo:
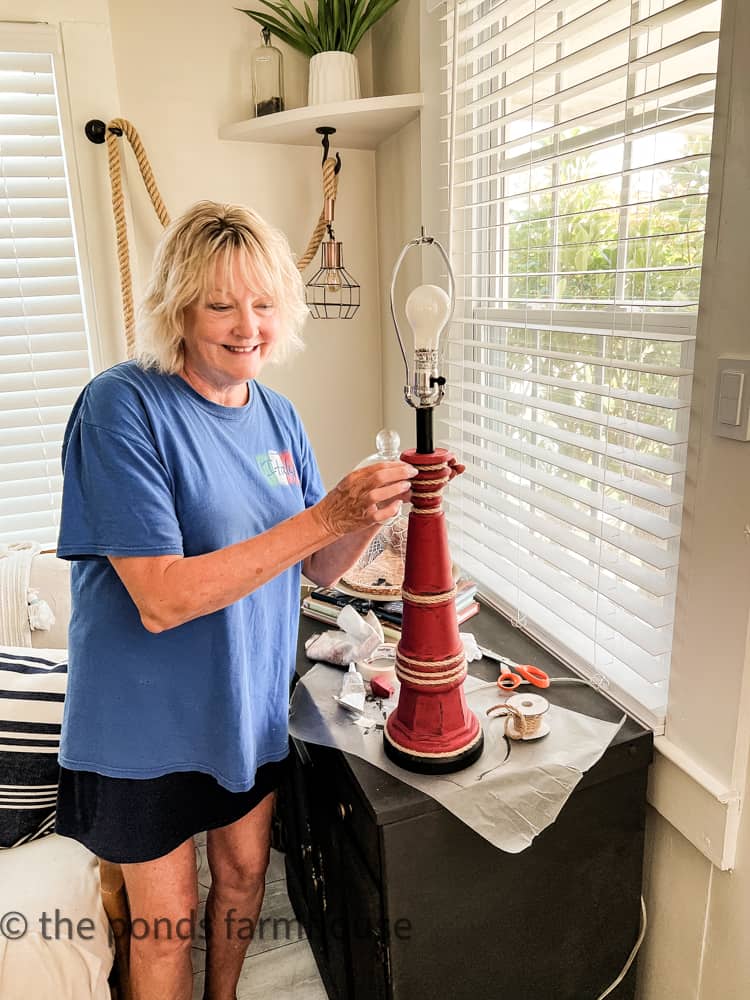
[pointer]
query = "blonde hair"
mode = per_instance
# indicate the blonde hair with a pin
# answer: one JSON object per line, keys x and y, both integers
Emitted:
{"x": 207, "y": 237}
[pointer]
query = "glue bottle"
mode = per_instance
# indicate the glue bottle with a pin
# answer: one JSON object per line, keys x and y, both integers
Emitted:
{"x": 353, "y": 690}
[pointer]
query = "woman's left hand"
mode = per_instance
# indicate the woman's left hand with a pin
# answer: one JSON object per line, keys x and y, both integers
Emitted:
{"x": 366, "y": 497}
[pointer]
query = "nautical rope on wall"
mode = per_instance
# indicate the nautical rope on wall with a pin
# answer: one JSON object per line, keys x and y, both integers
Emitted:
{"x": 116, "y": 127}
{"x": 330, "y": 187}
{"x": 121, "y": 126}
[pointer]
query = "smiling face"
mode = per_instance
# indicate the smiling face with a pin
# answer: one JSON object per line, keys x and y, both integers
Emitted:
{"x": 229, "y": 334}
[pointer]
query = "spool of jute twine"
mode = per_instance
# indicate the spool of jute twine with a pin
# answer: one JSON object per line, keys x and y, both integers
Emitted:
{"x": 524, "y": 716}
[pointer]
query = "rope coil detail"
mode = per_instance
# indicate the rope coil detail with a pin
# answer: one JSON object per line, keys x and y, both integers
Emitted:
{"x": 446, "y": 595}
{"x": 524, "y": 718}
{"x": 452, "y": 661}
{"x": 422, "y": 680}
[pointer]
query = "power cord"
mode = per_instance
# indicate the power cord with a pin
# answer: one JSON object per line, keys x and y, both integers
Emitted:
{"x": 631, "y": 957}
{"x": 644, "y": 919}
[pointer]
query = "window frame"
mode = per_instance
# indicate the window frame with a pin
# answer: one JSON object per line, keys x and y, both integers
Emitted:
{"x": 696, "y": 785}
{"x": 87, "y": 88}
{"x": 77, "y": 34}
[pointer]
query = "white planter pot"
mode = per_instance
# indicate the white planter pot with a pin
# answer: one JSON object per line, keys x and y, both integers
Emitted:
{"x": 334, "y": 76}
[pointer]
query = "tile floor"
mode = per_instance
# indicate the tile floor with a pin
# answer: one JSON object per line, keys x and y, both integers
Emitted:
{"x": 279, "y": 961}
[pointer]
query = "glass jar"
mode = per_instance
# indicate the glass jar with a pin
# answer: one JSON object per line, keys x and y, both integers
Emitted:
{"x": 267, "y": 71}
{"x": 379, "y": 571}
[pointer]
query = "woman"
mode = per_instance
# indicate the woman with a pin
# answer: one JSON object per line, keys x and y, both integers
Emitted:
{"x": 191, "y": 500}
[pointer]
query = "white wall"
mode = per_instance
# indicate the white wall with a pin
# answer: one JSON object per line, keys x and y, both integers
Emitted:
{"x": 697, "y": 946}
{"x": 713, "y": 610}
{"x": 183, "y": 71}
{"x": 396, "y": 70}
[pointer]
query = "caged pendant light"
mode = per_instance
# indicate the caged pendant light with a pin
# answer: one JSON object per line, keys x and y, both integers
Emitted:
{"x": 331, "y": 293}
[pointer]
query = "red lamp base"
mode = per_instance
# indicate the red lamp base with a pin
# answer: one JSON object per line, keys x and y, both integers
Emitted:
{"x": 431, "y": 730}
{"x": 427, "y": 763}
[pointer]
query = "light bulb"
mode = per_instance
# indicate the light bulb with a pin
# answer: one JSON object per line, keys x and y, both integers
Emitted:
{"x": 333, "y": 282}
{"x": 427, "y": 310}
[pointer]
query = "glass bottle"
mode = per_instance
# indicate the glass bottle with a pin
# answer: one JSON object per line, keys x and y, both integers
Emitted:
{"x": 267, "y": 70}
{"x": 379, "y": 571}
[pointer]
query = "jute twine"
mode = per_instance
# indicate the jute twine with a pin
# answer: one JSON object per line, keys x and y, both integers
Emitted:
{"x": 446, "y": 595}
{"x": 118, "y": 209}
{"x": 525, "y": 725}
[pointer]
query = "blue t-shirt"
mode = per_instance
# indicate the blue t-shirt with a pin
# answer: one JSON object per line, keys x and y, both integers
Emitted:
{"x": 152, "y": 468}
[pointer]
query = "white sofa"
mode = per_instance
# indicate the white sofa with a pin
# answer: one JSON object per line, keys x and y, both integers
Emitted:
{"x": 52, "y": 886}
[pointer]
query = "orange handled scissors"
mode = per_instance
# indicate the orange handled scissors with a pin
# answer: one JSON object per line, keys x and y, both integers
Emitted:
{"x": 524, "y": 673}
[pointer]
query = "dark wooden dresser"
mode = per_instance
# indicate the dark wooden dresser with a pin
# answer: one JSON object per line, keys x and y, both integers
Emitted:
{"x": 402, "y": 901}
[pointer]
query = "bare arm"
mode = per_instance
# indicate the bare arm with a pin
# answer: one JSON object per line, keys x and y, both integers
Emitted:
{"x": 326, "y": 566}
{"x": 171, "y": 590}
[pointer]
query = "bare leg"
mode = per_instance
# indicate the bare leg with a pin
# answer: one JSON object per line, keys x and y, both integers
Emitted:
{"x": 163, "y": 897}
{"x": 238, "y": 858}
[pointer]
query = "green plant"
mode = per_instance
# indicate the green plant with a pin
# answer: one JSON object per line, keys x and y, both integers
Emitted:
{"x": 338, "y": 27}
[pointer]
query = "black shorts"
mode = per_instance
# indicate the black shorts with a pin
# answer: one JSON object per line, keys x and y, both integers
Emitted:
{"x": 128, "y": 820}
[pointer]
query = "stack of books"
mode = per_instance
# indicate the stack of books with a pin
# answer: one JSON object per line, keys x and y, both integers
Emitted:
{"x": 324, "y": 604}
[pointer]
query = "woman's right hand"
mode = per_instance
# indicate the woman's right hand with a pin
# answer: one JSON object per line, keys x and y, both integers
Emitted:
{"x": 366, "y": 497}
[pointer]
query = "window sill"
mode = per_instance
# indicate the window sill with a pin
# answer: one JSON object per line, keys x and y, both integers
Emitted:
{"x": 703, "y": 810}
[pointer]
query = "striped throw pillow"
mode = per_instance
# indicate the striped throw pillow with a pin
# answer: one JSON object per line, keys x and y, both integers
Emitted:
{"x": 32, "y": 691}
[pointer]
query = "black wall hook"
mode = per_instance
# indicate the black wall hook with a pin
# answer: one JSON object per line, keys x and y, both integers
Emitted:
{"x": 325, "y": 131}
{"x": 96, "y": 131}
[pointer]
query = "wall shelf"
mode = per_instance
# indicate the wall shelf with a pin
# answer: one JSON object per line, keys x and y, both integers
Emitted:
{"x": 361, "y": 124}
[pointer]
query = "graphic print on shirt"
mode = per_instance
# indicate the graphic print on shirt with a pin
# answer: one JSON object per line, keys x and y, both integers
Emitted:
{"x": 278, "y": 468}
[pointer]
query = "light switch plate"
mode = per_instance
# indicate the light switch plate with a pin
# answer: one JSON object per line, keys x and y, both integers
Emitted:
{"x": 732, "y": 400}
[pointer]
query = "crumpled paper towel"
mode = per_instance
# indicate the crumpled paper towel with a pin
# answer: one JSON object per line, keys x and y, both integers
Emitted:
{"x": 358, "y": 637}
{"x": 354, "y": 639}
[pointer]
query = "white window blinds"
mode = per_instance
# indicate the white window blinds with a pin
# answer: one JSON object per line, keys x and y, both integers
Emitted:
{"x": 578, "y": 138}
{"x": 44, "y": 357}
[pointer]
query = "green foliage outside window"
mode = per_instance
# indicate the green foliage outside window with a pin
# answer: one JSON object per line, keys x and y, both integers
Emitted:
{"x": 577, "y": 249}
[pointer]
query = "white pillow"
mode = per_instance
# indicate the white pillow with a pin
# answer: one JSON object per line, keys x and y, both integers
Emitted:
{"x": 49, "y": 961}
{"x": 32, "y": 692}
